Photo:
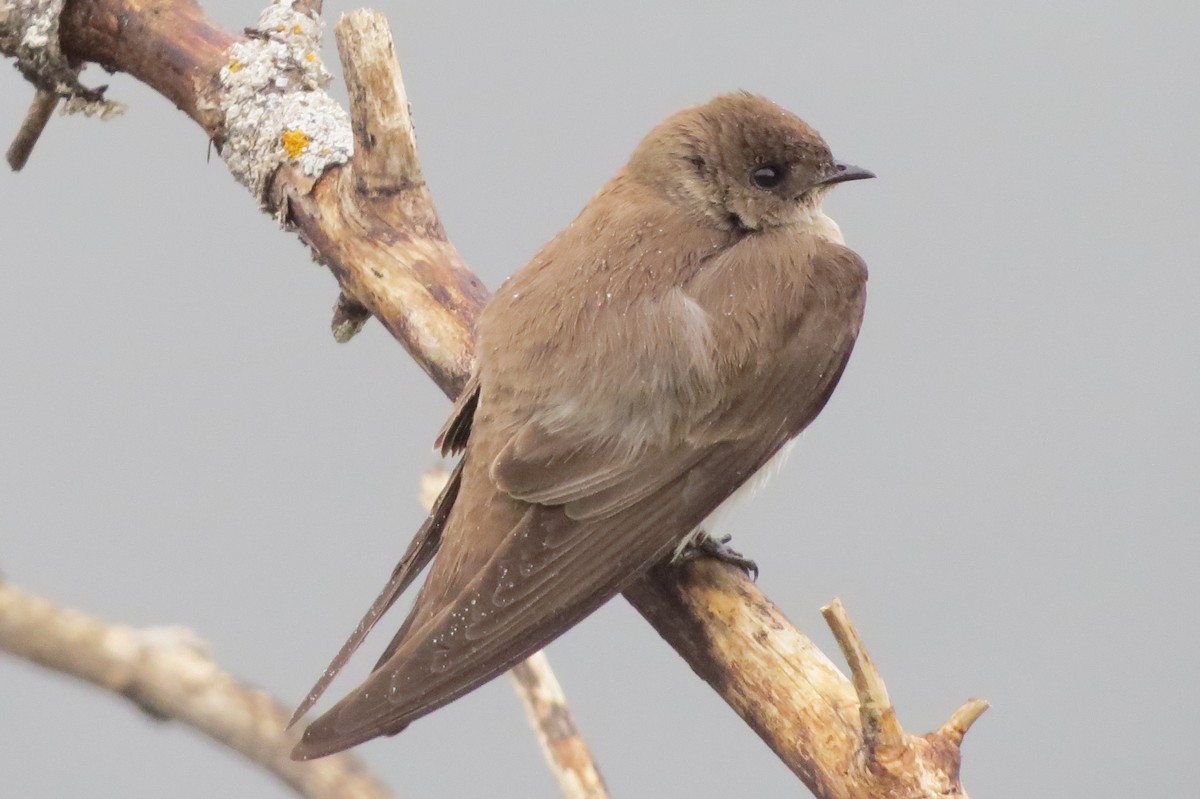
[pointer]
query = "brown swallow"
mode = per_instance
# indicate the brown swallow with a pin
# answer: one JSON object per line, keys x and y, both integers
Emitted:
{"x": 652, "y": 358}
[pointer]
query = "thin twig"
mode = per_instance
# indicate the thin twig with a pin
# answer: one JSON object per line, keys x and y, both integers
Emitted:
{"x": 961, "y": 720}
{"x": 879, "y": 725}
{"x": 36, "y": 118}
{"x": 567, "y": 754}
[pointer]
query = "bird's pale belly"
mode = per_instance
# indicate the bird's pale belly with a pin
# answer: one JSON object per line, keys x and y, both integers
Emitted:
{"x": 746, "y": 489}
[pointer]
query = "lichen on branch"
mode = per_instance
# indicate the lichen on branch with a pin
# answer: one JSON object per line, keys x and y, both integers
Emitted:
{"x": 273, "y": 105}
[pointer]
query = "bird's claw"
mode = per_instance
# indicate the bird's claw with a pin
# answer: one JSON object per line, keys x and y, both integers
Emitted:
{"x": 705, "y": 546}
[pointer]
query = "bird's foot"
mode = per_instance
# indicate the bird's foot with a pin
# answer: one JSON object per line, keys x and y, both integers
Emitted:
{"x": 705, "y": 546}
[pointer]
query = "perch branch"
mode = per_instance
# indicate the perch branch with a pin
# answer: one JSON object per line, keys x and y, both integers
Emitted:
{"x": 169, "y": 675}
{"x": 372, "y": 221}
{"x": 791, "y": 694}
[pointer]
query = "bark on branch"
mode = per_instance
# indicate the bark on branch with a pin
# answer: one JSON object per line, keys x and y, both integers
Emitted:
{"x": 840, "y": 737}
{"x": 372, "y": 221}
{"x": 567, "y": 754}
{"x": 169, "y": 675}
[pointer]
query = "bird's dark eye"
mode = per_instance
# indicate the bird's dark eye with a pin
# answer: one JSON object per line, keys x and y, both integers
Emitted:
{"x": 768, "y": 176}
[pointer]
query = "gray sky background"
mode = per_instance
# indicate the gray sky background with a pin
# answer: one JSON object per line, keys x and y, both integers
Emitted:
{"x": 1003, "y": 489}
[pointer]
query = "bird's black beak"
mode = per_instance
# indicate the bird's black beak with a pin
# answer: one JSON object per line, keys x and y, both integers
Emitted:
{"x": 843, "y": 172}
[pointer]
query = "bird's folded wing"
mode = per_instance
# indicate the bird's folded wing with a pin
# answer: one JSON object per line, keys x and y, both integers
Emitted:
{"x": 548, "y": 572}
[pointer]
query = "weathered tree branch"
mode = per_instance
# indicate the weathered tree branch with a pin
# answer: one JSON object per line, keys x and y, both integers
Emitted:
{"x": 372, "y": 221}
{"x": 168, "y": 674}
{"x": 841, "y": 738}
{"x": 566, "y": 752}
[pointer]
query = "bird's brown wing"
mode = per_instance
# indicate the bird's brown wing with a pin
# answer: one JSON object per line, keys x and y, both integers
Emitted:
{"x": 548, "y": 569}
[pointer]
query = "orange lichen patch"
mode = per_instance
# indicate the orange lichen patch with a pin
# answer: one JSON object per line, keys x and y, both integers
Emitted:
{"x": 235, "y": 66}
{"x": 310, "y": 56}
{"x": 296, "y": 29}
{"x": 294, "y": 142}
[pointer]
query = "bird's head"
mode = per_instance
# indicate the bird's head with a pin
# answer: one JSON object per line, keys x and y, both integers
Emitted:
{"x": 740, "y": 161}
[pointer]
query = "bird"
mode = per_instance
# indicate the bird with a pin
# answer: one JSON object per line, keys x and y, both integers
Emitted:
{"x": 648, "y": 362}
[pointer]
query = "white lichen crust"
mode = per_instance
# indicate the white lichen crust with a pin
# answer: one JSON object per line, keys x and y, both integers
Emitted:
{"x": 274, "y": 105}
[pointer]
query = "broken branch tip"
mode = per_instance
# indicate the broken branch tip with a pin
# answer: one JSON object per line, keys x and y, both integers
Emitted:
{"x": 960, "y": 721}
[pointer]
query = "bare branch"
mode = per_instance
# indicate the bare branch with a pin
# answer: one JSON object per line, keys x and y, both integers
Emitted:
{"x": 881, "y": 731}
{"x": 878, "y": 717}
{"x": 375, "y": 224}
{"x": 789, "y": 693}
{"x": 385, "y": 144}
{"x": 43, "y": 105}
{"x": 961, "y": 720}
{"x": 168, "y": 674}
{"x": 566, "y": 752}
{"x": 769, "y": 672}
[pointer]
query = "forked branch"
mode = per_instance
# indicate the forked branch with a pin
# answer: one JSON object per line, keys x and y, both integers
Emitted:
{"x": 840, "y": 737}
